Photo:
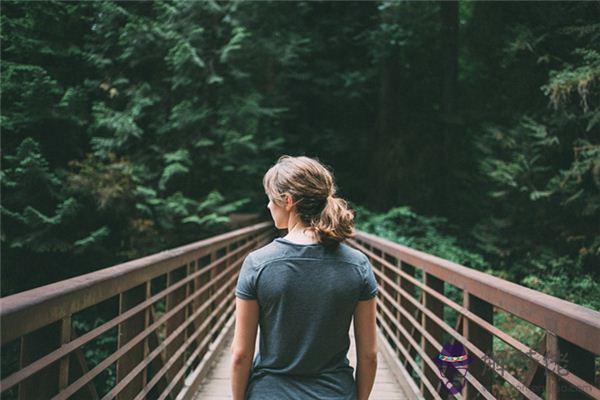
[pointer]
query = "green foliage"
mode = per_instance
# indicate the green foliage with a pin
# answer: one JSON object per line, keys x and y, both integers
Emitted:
{"x": 149, "y": 139}
{"x": 580, "y": 79}
{"x": 30, "y": 92}
{"x": 427, "y": 234}
{"x": 33, "y": 226}
{"x": 541, "y": 170}
{"x": 108, "y": 184}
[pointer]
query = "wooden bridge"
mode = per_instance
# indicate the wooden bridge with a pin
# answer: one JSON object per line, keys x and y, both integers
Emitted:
{"x": 159, "y": 327}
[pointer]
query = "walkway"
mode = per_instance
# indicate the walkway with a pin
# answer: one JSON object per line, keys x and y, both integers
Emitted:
{"x": 216, "y": 385}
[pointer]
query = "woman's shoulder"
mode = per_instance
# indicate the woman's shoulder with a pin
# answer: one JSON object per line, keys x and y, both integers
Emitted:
{"x": 275, "y": 250}
{"x": 265, "y": 253}
{"x": 352, "y": 254}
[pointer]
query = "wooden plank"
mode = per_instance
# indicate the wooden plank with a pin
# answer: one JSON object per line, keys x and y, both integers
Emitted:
{"x": 397, "y": 369}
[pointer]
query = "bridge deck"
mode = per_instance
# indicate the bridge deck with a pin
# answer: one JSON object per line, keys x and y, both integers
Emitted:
{"x": 216, "y": 386}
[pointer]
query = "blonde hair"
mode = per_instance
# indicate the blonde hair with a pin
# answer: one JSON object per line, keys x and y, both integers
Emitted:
{"x": 311, "y": 187}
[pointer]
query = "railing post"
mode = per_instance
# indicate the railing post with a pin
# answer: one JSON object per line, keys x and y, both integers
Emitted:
{"x": 551, "y": 354}
{"x": 436, "y": 331}
{"x": 482, "y": 339}
{"x": 173, "y": 299}
{"x": 213, "y": 304}
{"x": 190, "y": 288}
{"x": 394, "y": 277}
{"x": 33, "y": 346}
{"x": 65, "y": 337}
{"x": 409, "y": 288}
{"x": 202, "y": 281}
{"x": 127, "y": 330}
{"x": 147, "y": 322}
{"x": 377, "y": 266}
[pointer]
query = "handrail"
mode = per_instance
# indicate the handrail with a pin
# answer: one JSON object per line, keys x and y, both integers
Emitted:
{"x": 536, "y": 307}
{"x": 161, "y": 336}
{"x": 175, "y": 307}
{"x": 415, "y": 325}
{"x": 32, "y": 309}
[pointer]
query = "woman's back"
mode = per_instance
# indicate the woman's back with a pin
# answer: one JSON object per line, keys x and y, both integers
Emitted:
{"x": 307, "y": 294}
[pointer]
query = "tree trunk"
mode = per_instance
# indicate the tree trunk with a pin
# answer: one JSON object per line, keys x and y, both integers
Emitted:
{"x": 449, "y": 96}
{"x": 384, "y": 154}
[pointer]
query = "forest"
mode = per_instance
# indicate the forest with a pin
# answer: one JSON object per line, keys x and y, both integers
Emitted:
{"x": 468, "y": 130}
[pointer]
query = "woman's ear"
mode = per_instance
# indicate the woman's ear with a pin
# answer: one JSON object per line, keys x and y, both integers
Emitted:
{"x": 289, "y": 202}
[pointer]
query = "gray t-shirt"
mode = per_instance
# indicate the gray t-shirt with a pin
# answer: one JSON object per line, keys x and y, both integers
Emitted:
{"x": 307, "y": 294}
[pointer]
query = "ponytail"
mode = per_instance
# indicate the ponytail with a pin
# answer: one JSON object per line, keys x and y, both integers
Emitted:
{"x": 335, "y": 223}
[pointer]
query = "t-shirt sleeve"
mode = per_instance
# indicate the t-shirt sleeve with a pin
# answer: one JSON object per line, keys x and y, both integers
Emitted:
{"x": 369, "y": 288}
{"x": 246, "y": 282}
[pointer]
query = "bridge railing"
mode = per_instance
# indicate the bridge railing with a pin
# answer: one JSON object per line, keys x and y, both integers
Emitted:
{"x": 415, "y": 310}
{"x": 167, "y": 310}
{"x": 171, "y": 309}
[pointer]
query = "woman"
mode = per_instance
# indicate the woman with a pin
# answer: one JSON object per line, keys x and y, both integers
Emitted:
{"x": 303, "y": 290}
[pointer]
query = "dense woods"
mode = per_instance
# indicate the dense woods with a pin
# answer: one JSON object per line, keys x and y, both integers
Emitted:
{"x": 468, "y": 130}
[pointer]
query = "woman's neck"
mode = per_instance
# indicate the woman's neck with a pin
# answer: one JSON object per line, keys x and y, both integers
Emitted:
{"x": 300, "y": 234}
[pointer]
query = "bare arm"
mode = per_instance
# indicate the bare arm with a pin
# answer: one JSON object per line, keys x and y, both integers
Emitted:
{"x": 242, "y": 348}
{"x": 365, "y": 335}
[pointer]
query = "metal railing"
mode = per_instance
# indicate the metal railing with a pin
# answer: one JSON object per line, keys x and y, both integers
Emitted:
{"x": 170, "y": 311}
{"x": 414, "y": 308}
